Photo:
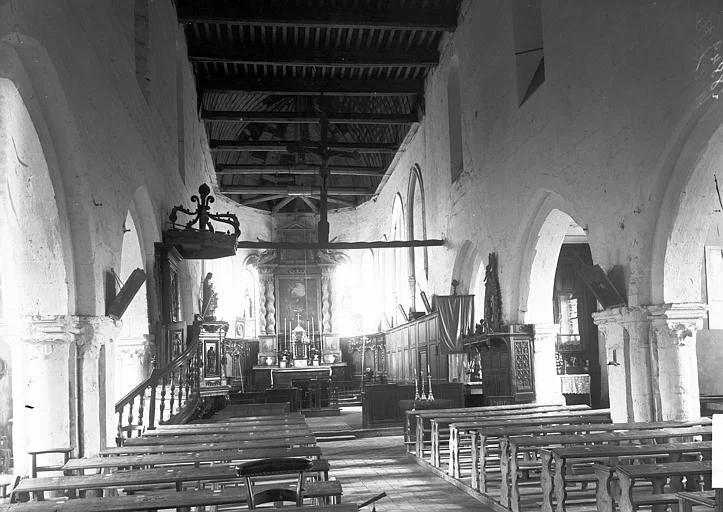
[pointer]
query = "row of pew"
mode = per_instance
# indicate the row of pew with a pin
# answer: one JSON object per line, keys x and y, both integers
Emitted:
{"x": 557, "y": 457}
{"x": 238, "y": 464}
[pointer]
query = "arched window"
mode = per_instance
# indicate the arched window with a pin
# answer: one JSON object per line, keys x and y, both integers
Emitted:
{"x": 454, "y": 109}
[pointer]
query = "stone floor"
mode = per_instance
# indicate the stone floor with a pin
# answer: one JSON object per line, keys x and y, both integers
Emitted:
{"x": 367, "y": 467}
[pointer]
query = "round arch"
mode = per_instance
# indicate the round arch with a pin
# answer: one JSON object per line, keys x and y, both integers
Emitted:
{"x": 540, "y": 248}
{"x": 687, "y": 211}
{"x": 415, "y": 189}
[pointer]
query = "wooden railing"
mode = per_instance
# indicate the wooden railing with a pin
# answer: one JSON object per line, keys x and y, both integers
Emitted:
{"x": 168, "y": 395}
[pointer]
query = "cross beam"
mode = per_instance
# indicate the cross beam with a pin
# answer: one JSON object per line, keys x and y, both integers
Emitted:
{"x": 328, "y": 57}
{"x": 397, "y": 244}
{"x": 269, "y": 14}
{"x": 296, "y": 169}
{"x": 313, "y": 87}
{"x": 235, "y": 116}
{"x": 292, "y": 146}
{"x": 296, "y": 191}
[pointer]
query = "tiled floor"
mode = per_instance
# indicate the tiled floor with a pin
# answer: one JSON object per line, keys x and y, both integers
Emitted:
{"x": 367, "y": 467}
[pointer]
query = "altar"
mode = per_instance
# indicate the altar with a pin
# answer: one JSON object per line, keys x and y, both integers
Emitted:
{"x": 265, "y": 377}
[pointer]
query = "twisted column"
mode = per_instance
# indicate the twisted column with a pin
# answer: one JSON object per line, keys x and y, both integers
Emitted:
{"x": 326, "y": 302}
{"x": 270, "y": 305}
{"x": 262, "y": 304}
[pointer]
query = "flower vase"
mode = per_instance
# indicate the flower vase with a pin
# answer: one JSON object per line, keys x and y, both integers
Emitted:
{"x": 282, "y": 364}
{"x": 315, "y": 362}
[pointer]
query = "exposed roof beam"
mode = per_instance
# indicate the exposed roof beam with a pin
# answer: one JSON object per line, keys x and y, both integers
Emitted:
{"x": 243, "y": 244}
{"x": 311, "y": 87}
{"x": 277, "y": 208}
{"x": 335, "y": 200}
{"x": 293, "y": 146}
{"x": 310, "y": 204}
{"x": 262, "y": 199}
{"x": 267, "y": 55}
{"x": 301, "y": 117}
{"x": 264, "y": 14}
{"x": 296, "y": 169}
{"x": 295, "y": 191}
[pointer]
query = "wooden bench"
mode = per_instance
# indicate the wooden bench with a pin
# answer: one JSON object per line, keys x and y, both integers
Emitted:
{"x": 512, "y": 447}
{"x": 554, "y": 481}
{"x": 706, "y": 499}
{"x": 411, "y": 423}
{"x": 291, "y": 441}
{"x": 485, "y": 439}
{"x": 179, "y": 500}
{"x": 424, "y": 418}
{"x": 35, "y": 469}
{"x": 655, "y": 474}
{"x": 225, "y": 429}
{"x": 457, "y": 429}
{"x": 209, "y": 438}
{"x": 77, "y": 466}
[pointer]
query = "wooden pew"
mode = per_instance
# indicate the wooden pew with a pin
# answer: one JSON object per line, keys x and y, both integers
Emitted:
{"x": 512, "y": 447}
{"x": 656, "y": 474}
{"x": 177, "y": 500}
{"x": 270, "y": 420}
{"x": 554, "y": 481}
{"x": 708, "y": 499}
{"x": 482, "y": 438}
{"x": 211, "y": 428}
{"x": 77, "y": 466}
{"x": 456, "y": 429}
{"x": 411, "y": 416}
{"x": 206, "y": 438}
{"x": 142, "y": 477}
{"x": 290, "y": 441}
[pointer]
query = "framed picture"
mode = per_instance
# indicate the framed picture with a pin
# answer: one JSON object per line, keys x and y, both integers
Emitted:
{"x": 175, "y": 339}
{"x": 211, "y": 359}
{"x": 299, "y": 297}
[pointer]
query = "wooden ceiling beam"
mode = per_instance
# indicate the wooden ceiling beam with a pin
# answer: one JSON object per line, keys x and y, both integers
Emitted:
{"x": 311, "y": 87}
{"x": 263, "y": 199}
{"x": 296, "y": 146}
{"x": 294, "y": 191}
{"x": 278, "y": 206}
{"x": 397, "y": 244}
{"x": 304, "y": 118}
{"x": 327, "y": 57}
{"x": 269, "y": 14}
{"x": 311, "y": 205}
{"x": 296, "y": 169}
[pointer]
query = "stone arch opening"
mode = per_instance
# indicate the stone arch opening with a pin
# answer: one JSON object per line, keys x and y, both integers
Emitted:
{"x": 418, "y": 264}
{"x": 132, "y": 361}
{"x": 35, "y": 286}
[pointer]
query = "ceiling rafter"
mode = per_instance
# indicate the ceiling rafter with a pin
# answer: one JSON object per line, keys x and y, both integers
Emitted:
{"x": 312, "y": 86}
{"x": 300, "y": 169}
{"x": 305, "y": 118}
{"x": 291, "y": 146}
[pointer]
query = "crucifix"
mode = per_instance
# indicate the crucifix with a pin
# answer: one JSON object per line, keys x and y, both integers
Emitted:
{"x": 324, "y": 152}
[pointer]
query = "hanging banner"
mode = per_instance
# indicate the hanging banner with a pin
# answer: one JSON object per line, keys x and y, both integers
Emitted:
{"x": 456, "y": 318}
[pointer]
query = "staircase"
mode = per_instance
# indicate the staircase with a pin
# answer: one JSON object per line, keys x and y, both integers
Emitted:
{"x": 170, "y": 395}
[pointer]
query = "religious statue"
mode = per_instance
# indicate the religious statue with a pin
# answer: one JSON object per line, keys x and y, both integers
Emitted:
{"x": 211, "y": 359}
{"x": 493, "y": 297}
{"x": 209, "y": 299}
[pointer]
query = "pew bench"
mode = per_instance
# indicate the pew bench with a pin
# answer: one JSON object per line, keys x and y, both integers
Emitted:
{"x": 461, "y": 430}
{"x": 169, "y": 500}
{"x": 701, "y": 500}
{"x": 556, "y": 462}
{"x": 279, "y": 433}
{"x": 225, "y": 429}
{"x": 486, "y": 440}
{"x": 291, "y": 441}
{"x": 424, "y": 418}
{"x": 512, "y": 448}
{"x": 625, "y": 478}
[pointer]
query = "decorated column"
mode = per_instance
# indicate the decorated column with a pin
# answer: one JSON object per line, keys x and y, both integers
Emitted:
{"x": 42, "y": 377}
{"x": 330, "y": 315}
{"x": 95, "y": 355}
{"x": 547, "y": 382}
{"x": 267, "y": 314}
{"x": 674, "y": 346}
{"x": 611, "y": 331}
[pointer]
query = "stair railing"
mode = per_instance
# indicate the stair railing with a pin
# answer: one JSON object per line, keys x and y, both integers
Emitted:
{"x": 168, "y": 395}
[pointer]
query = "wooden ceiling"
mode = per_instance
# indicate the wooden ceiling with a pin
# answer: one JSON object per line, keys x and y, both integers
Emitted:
{"x": 268, "y": 71}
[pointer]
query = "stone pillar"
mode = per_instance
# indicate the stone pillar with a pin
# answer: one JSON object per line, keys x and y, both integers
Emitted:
{"x": 42, "y": 374}
{"x": 547, "y": 383}
{"x": 94, "y": 338}
{"x": 674, "y": 346}
{"x": 262, "y": 302}
{"x": 637, "y": 328}
{"x": 612, "y": 336}
{"x": 270, "y": 303}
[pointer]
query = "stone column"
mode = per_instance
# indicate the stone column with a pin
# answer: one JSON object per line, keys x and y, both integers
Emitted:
{"x": 641, "y": 398}
{"x": 262, "y": 303}
{"x": 547, "y": 383}
{"x": 612, "y": 335}
{"x": 94, "y": 338}
{"x": 42, "y": 374}
{"x": 325, "y": 302}
{"x": 674, "y": 345}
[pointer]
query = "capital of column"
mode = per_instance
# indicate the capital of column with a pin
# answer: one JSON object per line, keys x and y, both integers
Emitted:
{"x": 677, "y": 323}
{"x": 92, "y": 332}
{"x": 42, "y": 335}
